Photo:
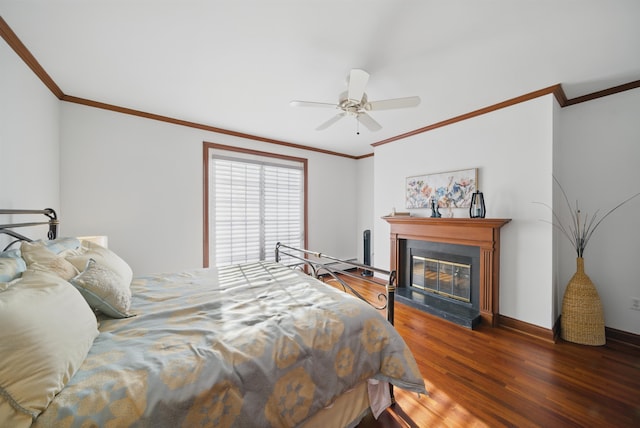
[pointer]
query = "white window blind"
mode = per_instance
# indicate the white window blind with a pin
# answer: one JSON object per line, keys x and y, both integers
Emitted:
{"x": 256, "y": 203}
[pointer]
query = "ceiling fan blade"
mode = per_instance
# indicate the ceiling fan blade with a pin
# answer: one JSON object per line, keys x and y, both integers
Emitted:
{"x": 331, "y": 121}
{"x": 368, "y": 122}
{"x": 357, "y": 82}
{"x": 296, "y": 103}
{"x": 392, "y": 103}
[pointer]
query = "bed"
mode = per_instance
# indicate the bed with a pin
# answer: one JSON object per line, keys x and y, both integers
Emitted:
{"x": 84, "y": 343}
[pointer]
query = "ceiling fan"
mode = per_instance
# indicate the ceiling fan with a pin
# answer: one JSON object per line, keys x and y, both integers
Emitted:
{"x": 354, "y": 102}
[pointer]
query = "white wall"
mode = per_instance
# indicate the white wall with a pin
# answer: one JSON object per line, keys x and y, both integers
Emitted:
{"x": 364, "y": 200}
{"x": 512, "y": 148}
{"x": 556, "y": 198}
{"x": 139, "y": 181}
{"x": 29, "y": 141}
{"x": 598, "y": 165}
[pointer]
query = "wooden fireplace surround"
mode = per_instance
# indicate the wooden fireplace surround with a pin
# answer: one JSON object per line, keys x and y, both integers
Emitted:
{"x": 477, "y": 232}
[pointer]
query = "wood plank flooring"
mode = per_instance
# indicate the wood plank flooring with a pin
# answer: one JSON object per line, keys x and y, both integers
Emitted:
{"x": 495, "y": 377}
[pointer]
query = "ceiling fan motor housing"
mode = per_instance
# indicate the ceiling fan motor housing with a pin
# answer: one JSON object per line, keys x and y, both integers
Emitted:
{"x": 349, "y": 106}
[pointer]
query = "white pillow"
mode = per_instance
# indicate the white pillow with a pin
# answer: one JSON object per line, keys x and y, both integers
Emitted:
{"x": 39, "y": 257}
{"x": 103, "y": 289}
{"x": 58, "y": 266}
{"x": 57, "y": 247}
{"x": 47, "y": 331}
{"x": 103, "y": 257}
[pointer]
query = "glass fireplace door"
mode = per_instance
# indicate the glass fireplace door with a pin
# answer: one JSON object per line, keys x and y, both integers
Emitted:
{"x": 442, "y": 277}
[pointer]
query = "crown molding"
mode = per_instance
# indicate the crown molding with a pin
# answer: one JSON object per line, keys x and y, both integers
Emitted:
{"x": 21, "y": 50}
{"x": 556, "y": 90}
{"x": 174, "y": 121}
{"x": 603, "y": 93}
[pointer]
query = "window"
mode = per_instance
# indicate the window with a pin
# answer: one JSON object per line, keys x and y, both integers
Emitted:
{"x": 254, "y": 200}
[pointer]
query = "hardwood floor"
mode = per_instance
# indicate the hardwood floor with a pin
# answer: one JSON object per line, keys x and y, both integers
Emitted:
{"x": 495, "y": 377}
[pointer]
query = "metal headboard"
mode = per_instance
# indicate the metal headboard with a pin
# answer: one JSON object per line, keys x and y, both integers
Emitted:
{"x": 7, "y": 229}
{"x": 322, "y": 264}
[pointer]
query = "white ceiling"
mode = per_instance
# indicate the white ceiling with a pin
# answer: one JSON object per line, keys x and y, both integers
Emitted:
{"x": 236, "y": 64}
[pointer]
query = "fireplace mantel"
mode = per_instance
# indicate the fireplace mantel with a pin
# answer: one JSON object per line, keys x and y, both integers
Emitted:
{"x": 479, "y": 232}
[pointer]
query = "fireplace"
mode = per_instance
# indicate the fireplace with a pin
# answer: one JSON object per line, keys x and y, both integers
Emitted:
{"x": 448, "y": 267}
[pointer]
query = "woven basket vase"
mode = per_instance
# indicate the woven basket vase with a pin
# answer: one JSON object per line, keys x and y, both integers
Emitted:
{"x": 582, "y": 319}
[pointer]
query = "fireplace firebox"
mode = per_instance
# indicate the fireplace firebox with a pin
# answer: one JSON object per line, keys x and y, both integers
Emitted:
{"x": 440, "y": 278}
{"x": 444, "y": 278}
{"x": 448, "y": 267}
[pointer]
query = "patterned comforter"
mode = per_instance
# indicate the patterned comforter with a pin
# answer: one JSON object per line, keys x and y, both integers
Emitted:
{"x": 248, "y": 345}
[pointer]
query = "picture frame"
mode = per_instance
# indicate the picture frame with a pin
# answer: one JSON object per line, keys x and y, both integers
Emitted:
{"x": 453, "y": 189}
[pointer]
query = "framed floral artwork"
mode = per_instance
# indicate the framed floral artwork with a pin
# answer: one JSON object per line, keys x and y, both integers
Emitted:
{"x": 452, "y": 189}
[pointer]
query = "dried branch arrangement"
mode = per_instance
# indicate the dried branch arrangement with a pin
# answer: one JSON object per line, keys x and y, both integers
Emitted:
{"x": 581, "y": 226}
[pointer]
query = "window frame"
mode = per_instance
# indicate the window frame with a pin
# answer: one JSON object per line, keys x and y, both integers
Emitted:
{"x": 206, "y": 157}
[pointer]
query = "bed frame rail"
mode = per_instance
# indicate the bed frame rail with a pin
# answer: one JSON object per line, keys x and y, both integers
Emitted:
{"x": 7, "y": 229}
{"x": 322, "y": 265}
